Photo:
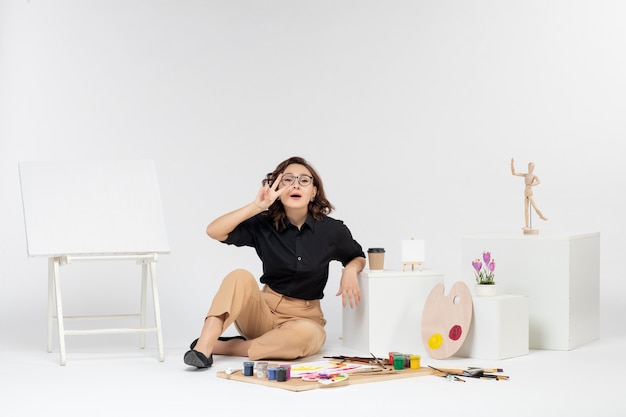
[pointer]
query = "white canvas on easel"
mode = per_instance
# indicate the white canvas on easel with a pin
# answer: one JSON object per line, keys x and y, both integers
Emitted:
{"x": 90, "y": 211}
{"x": 412, "y": 253}
{"x": 92, "y": 207}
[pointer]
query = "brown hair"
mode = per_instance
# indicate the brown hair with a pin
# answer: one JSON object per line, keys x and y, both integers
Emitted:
{"x": 318, "y": 207}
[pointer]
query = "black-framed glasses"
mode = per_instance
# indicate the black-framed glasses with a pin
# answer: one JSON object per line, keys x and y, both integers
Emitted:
{"x": 303, "y": 179}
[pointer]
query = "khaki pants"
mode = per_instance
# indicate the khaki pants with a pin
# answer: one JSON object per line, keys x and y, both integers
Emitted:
{"x": 279, "y": 327}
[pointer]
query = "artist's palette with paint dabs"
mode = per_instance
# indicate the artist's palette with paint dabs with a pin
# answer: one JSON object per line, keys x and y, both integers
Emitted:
{"x": 446, "y": 320}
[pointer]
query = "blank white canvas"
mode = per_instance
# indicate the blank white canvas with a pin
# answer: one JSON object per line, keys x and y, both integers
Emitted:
{"x": 92, "y": 207}
{"x": 413, "y": 250}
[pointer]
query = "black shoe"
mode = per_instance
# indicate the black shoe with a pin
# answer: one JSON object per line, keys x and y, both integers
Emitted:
{"x": 227, "y": 338}
{"x": 198, "y": 359}
{"x": 221, "y": 339}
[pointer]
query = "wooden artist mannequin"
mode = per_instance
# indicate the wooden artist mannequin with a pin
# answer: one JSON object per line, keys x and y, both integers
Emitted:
{"x": 531, "y": 180}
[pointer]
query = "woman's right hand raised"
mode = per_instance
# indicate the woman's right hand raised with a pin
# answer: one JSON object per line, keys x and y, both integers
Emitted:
{"x": 268, "y": 194}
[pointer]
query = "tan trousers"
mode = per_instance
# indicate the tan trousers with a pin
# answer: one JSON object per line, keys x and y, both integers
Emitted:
{"x": 279, "y": 327}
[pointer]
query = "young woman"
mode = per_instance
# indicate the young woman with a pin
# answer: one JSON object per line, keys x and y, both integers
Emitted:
{"x": 289, "y": 227}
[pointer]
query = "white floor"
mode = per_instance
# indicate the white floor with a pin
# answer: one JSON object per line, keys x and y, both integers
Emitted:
{"x": 120, "y": 380}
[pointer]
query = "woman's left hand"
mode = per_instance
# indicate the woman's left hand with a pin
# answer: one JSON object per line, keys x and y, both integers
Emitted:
{"x": 349, "y": 288}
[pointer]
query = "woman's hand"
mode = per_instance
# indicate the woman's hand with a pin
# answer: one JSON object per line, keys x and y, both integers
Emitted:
{"x": 349, "y": 285}
{"x": 267, "y": 195}
{"x": 220, "y": 228}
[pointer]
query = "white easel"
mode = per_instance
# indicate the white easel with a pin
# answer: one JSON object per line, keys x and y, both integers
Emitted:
{"x": 95, "y": 211}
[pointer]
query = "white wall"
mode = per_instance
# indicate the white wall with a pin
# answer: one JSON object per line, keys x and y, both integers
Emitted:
{"x": 410, "y": 110}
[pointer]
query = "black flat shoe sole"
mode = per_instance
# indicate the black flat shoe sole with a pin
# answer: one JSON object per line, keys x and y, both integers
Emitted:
{"x": 227, "y": 338}
{"x": 198, "y": 359}
{"x": 221, "y": 339}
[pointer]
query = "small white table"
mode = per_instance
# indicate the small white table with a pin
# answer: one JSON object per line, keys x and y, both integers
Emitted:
{"x": 499, "y": 328}
{"x": 389, "y": 317}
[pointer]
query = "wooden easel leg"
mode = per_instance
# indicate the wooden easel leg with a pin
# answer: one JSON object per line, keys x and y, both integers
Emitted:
{"x": 419, "y": 265}
{"x": 157, "y": 310}
{"x": 59, "y": 307}
{"x": 142, "y": 316}
{"x": 51, "y": 301}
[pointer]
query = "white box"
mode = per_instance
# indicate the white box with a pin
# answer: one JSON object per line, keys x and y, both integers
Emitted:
{"x": 499, "y": 328}
{"x": 560, "y": 274}
{"x": 389, "y": 316}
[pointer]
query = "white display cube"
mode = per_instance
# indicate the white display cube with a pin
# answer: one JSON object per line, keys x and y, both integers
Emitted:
{"x": 389, "y": 316}
{"x": 499, "y": 328}
{"x": 560, "y": 274}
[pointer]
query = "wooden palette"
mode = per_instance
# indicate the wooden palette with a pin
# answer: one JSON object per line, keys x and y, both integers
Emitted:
{"x": 446, "y": 320}
{"x": 297, "y": 384}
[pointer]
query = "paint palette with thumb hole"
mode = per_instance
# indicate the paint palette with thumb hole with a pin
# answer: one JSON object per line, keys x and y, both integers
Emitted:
{"x": 446, "y": 320}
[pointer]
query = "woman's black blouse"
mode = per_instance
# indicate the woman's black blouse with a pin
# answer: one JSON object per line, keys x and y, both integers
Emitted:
{"x": 295, "y": 262}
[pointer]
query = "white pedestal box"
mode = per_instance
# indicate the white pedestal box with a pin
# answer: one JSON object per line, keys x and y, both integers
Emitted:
{"x": 389, "y": 316}
{"x": 560, "y": 274}
{"x": 499, "y": 328}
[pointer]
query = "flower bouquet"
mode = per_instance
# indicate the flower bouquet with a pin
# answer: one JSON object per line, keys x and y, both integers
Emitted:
{"x": 483, "y": 270}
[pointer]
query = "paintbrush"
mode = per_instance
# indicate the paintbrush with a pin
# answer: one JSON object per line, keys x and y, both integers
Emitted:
{"x": 469, "y": 371}
{"x": 472, "y": 373}
{"x": 378, "y": 361}
{"x": 359, "y": 359}
{"x": 487, "y": 369}
{"x": 447, "y": 375}
{"x": 373, "y": 371}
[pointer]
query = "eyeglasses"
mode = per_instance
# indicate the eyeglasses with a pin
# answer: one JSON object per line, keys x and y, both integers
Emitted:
{"x": 303, "y": 180}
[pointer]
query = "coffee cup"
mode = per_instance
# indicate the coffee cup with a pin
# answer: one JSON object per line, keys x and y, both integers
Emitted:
{"x": 376, "y": 258}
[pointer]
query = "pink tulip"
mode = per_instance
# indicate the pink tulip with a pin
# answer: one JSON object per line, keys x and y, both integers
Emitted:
{"x": 477, "y": 265}
{"x": 486, "y": 257}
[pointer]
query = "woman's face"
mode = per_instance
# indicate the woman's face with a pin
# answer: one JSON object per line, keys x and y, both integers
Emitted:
{"x": 300, "y": 189}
